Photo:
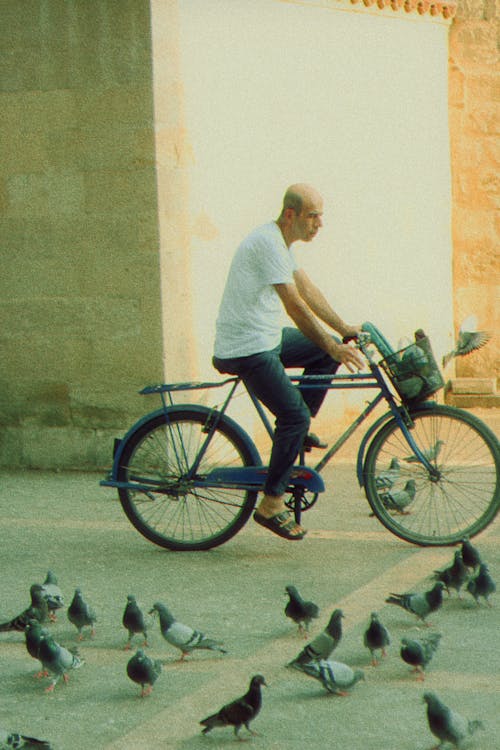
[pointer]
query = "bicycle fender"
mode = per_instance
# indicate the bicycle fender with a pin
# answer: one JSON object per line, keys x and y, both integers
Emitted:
{"x": 203, "y": 410}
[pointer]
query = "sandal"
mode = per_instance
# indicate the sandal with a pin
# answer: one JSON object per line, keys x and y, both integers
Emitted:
{"x": 282, "y": 524}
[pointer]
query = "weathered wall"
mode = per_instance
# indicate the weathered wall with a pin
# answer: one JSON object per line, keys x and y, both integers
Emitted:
{"x": 79, "y": 286}
{"x": 475, "y": 158}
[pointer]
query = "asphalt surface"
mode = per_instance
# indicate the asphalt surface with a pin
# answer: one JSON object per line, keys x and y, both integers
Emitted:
{"x": 235, "y": 593}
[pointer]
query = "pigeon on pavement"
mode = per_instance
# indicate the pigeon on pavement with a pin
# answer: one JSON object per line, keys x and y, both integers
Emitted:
{"x": 323, "y": 645}
{"x": 448, "y": 725}
{"x": 386, "y": 479}
{"x": 81, "y": 615}
{"x": 430, "y": 454}
{"x": 300, "y": 611}
{"x": 418, "y": 652}
{"x": 419, "y": 604}
{"x": 144, "y": 671}
{"x": 239, "y": 712}
{"x": 134, "y": 621}
{"x": 183, "y": 637}
{"x": 400, "y": 499}
{"x": 470, "y": 555}
{"x": 38, "y": 610}
{"x": 52, "y": 594}
{"x": 57, "y": 660}
{"x": 376, "y": 637}
{"x": 455, "y": 575}
{"x": 482, "y": 585}
{"x": 34, "y": 634}
{"x": 15, "y": 741}
{"x": 335, "y": 676}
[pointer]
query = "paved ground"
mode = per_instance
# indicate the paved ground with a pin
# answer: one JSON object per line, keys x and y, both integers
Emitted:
{"x": 236, "y": 592}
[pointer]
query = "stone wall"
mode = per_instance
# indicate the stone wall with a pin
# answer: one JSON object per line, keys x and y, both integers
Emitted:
{"x": 475, "y": 159}
{"x": 79, "y": 287}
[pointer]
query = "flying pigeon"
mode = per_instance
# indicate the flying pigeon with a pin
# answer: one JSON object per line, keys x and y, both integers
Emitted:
{"x": 144, "y": 671}
{"x": 323, "y": 645}
{"x": 418, "y": 652}
{"x": 33, "y": 635}
{"x": 81, "y": 615}
{"x": 448, "y": 725}
{"x": 386, "y": 479}
{"x": 376, "y": 637}
{"x": 38, "y": 610}
{"x": 300, "y": 611}
{"x": 430, "y": 454}
{"x": 133, "y": 620}
{"x": 482, "y": 584}
{"x": 15, "y": 741}
{"x": 470, "y": 555}
{"x": 400, "y": 499}
{"x": 335, "y": 676}
{"x": 455, "y": 575}
{"x": 239, "y": 712}
{"x": 57, "y": 660}
{"x": 418, "y": 604}
{"x": 469, "y": 339}
{"x": 52, "y": 594}
{"x": 183, "y": 637}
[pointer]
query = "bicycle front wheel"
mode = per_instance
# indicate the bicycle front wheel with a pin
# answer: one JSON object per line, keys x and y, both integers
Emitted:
{"x": 460, "y": 499}
{"x": 172, "y": 512}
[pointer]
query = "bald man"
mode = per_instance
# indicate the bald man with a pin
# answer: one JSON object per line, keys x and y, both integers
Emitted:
{"x": 250, "y": 342}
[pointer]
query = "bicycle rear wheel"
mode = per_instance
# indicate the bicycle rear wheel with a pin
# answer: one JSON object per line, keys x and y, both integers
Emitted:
{"x": 460, "y": 500}
{"x": 173, "y": 512}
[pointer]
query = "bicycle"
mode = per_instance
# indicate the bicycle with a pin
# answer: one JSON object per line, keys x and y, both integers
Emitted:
{"x": 188, "y": 475}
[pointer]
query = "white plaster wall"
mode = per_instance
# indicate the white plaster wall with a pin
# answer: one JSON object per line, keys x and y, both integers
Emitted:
{"x": 351, "y": 100}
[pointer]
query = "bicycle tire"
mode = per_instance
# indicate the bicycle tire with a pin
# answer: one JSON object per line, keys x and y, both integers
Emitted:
{"x": 175, "y": 514}
{"x": 460, "y": 502}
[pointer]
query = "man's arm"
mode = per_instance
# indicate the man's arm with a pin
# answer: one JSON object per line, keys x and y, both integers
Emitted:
{"x": 305, "y": 321}
{"x": 320, "y": 306}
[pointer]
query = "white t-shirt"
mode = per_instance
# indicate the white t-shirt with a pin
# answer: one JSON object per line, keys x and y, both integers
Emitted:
{"x": 250, "y": 314}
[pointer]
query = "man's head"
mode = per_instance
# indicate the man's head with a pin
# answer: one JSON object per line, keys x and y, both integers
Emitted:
{"x": 300, "y": 217}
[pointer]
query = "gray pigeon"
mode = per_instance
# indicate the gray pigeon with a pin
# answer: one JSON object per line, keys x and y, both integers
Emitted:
{"x": 455, "y": 575}
{"x": 418, "y": 652}
{"x": 335, "y": 676}
{"x": 398, "y": 500}
{"x": 239, "y": 712}
{"x": 134, "y": 621}
{"x": 482, "y": 585}
{"x": 418, "y": 604}
{"x": 52, "y": 594}
{"x": 300, "y": 611}
{"x": 38, "y": 610}
{"x": 468, "y": 340}
{"x": 448, "y": 725}
{"x": 470, "y": 555}
{"x": 183, "y": 637}
{"x": 323, "y": 645}
{"x": 33, "y": 635}
{"x": 81, "y": 615}
{"x": 15, "y": 741}
{"x": 386, "y": 479}
{"x": 144, "y": 671}
{"x": 376, "y": 637}
{"x": 57, "y": 660}
{"x": 431, "y": 453}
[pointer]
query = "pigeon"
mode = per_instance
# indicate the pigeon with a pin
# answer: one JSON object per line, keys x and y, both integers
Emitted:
{"x": 418, "y": 652}
{"x": 183, "y": 637}
{"x": 81, "y": 615}
{"x": 38, "y": 610}
{"x": 15, "y": 741}
{"x": 144, "y": 671}
{"x": 418, "y": 604}
{"x": 386, "y": 479}
{"x": 455, "y": 575}
{"x": 239, "y": 712}
{"x": 376, "y": 637}
{"x": 482, "y": 584}
{"x": 469, "y": 339}
{"x": 300, "y": 611}
{"x": 323, "y": 645}
{"x": 335, "y": 676}
{"x": 470, "y": 555}
{"x": 133, "y": 620}
{"x": 57, "y": 660}
{"x": 400, "y": 499}
{"x": 430, "y": 454}
{"x": 448, "y": 725}
{"x": 34, "y": 634}
{"x": 52, "y": 594}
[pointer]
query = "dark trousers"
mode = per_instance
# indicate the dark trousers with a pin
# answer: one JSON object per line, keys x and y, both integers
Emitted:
{"x": 264, "y": 374}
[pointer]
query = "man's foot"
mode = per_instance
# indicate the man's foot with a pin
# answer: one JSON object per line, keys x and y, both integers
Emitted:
{"x": 313, "y": 441}
{"x": 282, "y": 524}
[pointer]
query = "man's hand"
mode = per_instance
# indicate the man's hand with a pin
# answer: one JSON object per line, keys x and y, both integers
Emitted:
{"x": 348, "y": 356}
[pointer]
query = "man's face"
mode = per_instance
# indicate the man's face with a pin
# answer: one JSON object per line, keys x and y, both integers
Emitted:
{"x": 308, "y": 222}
